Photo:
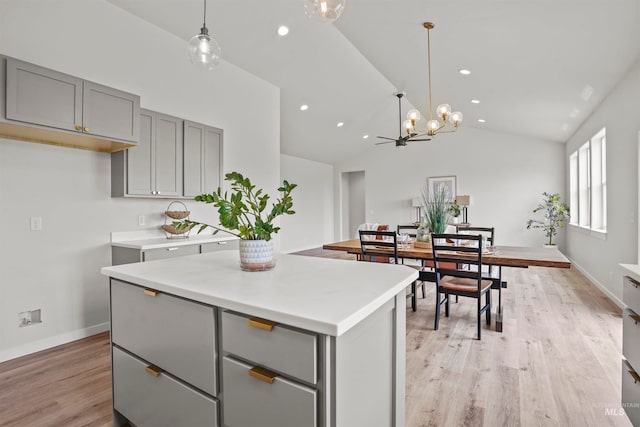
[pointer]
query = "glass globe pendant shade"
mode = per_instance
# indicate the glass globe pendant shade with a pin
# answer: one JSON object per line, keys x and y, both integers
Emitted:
{"x": 432, "y": 127}
{"x": 407, "y": 126}
{"x": 324, "y": 11}
{"x": 443, "y": 111}
{"x": 204, "y": 50}
{"x": 414, "y": 116}
{"x": 455, "y": 118}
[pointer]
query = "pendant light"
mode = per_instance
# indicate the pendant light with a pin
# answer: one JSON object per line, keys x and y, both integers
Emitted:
{"x": 443, "y": 111}
{"x": 324, "y": 11}
{"x": 204, "y": 50}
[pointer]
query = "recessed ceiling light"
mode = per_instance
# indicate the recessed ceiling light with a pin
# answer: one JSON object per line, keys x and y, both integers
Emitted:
{"x": 475, "y": 101}
{"x": 482, "y": 121}
{"x": 283, "y": 30}
{"x": 365, "y": 137}
{"x": 304, "y": 107}
{"x": 574, "y": 113}
{"x": 340, "y": 124}
{"x": 464, "y": 72}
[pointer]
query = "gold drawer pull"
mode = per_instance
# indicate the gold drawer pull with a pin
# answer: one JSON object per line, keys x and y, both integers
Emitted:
{"x": 154, "y": 370}
{"x": 259, "y": 323}
{"x": 263, "y": 374}
{"x": 87, "y": 129}
{"x": 78, "y": 127}
{"x": 635, "y": 318}
{"x": 151, "y": 292}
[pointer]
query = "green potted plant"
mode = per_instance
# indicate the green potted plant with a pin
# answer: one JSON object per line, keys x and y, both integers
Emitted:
{"x": 454, "y": 211}
{"x": 555, "y": 214}
{"x": 436, "y": 208}
{"x": 243, "y": 213}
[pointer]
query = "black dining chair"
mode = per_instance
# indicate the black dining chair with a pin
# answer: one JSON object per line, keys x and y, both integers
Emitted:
{"x": 412, "y": 231}
{"x": 453, "y": 278}
{"x": 383, "y": 244}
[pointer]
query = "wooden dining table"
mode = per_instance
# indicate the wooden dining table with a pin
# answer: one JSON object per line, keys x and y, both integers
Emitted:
{"x": 502, "y": 256}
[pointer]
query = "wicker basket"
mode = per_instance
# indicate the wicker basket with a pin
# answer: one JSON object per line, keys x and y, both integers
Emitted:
{"x": 177, "y": 214}
{"x": 172, "y": 230}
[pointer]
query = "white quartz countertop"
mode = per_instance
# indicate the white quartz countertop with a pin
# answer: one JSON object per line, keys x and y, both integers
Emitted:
{"x": 157, "y": 239}
{"x": 326, "y": 296}
{"x": 631, "y": 270}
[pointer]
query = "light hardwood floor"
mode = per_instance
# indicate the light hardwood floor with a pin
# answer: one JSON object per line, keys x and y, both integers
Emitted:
{"x": 557, "y": 363}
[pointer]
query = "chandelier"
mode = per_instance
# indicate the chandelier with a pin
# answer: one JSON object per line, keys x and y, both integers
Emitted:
{"x": 324, "y": 11}
{"x": 204, "y": 50}
{"x": 444, "y": 114}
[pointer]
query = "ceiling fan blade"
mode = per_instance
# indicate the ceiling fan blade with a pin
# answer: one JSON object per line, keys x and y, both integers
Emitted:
{"x": 427, "y": 139}
{"x": 384, "y": 137}
{"x": 385, "y": 142}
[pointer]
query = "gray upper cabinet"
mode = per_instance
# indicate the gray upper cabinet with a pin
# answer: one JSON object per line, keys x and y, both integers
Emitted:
{"x": 202, "y": 158}
{"x": 42, "y": 101}
{"x": 174, "y": 158}
{"x": 43, "y": 97}
{"x": 110, "y": 112}
{"x": 154, "y": 166}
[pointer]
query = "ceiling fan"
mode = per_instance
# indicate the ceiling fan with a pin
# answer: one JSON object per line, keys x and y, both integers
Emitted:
{"x": 401, "y": 141}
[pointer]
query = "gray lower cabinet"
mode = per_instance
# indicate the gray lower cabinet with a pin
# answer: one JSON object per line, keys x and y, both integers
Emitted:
{"x": 219, "y": 246}
{"x": 46, "y": 98}
{"x": 179, "y": 362}
{"x": 154, "y": 167}
{"x": 164, "y": 358}
{"x": 631, "y": 350}
{"x": 202, "y": 158}
{"x": 124, "y": 255}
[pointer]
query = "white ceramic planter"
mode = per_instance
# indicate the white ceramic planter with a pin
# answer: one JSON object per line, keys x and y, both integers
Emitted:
{"x": 256, "y": 255}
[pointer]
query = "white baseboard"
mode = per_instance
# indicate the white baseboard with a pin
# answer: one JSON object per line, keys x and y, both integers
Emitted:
{"x": 46, "y": 343}
{"x": 599, "y": 285}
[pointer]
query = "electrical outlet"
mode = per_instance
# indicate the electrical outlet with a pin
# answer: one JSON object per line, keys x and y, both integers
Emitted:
{"x": 141, "y": 220}
{"x": 36, "y": 223}
{"x": 28, "y": 318}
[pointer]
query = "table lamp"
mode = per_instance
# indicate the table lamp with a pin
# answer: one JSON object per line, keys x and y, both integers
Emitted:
{"x": 417, "y": 203}
{"x": 463, "y": 201}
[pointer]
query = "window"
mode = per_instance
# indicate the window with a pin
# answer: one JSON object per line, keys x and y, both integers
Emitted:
{"x": 588, "y": 184}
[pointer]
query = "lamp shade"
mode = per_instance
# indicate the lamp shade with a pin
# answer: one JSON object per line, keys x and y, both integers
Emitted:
{"x": 416, "y": 202}
{"x": 463, "y": 200}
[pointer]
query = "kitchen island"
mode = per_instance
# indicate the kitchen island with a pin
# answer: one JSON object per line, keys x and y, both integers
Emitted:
{"x": 313, "y": 342}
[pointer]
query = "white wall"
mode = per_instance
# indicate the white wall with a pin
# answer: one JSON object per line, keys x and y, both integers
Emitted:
{"x": 596, "y": 257}
{"x": 504, "y": 174}
{"x": 312, "y": 225}
{"x": 57, "y": 269}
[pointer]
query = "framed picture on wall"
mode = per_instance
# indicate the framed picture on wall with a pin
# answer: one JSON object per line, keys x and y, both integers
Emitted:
{"x": 436, "y": 183}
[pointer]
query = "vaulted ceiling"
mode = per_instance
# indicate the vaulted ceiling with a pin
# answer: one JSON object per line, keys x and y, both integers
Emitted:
{"x": 538, "y": 68}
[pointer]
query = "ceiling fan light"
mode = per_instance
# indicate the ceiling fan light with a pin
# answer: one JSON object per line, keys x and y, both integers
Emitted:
{"x": 443, "y": 111}
{"x": 456, "y": 118}
{"x": 324, "y": 11}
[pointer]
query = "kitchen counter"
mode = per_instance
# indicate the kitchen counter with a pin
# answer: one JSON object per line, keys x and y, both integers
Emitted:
{"x": 322, "y": 295}
{"x": 631, "y": 270}
{"x": 156, "y": 239}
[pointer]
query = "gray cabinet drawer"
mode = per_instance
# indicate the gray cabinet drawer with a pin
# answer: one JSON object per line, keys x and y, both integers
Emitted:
{"x": 250, "y": 402}
{"x": 174, "y": 251}
{"x": 219, "y": 246}
{"x": 284, "y": 349}
{"x": 173, "y": 333}
{"x": 631, "y": 293}
{"x": 149, "y": 398}
{"x": 631, "y": 393}
{"x": 631, "y": 337}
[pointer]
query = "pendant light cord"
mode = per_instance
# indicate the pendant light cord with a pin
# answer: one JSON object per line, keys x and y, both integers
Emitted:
{"x": 204, "y": 18}
{"x": 429, "y": 64}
